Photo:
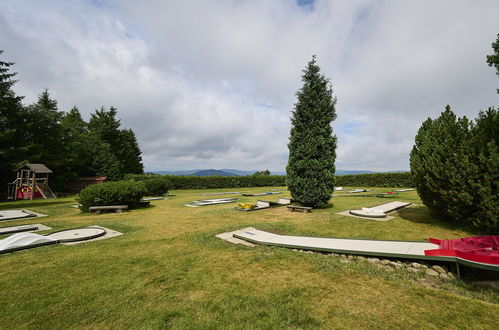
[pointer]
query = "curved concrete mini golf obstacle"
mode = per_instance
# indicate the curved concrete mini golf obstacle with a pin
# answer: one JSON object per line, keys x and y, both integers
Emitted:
{"x": 23, "y": 228}
{"x": 260, "y": 205}
{"x": 377, "y": 212}
{"x": 21, "y": 241}
{"x": 479, "y": 252}
{"x": 6, "y": 215}
{"x": 263, "y": 194}
{"x": 206, "y": 202}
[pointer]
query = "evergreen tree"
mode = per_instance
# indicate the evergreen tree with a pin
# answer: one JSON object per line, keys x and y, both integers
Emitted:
{"x": 130, "y": 154}
{"x": 455, "y": 168}
{"x": 435, "y": 161}
{"x": 312, "y": 145}
{"x": 13, "y": 145}
{"x": 493, "y": 60}
{"x": 483, "y": 147}
{"x": 44, "y": 128}
{"x": 107, "y": 127}
{"x": 74, "y": 130}
{"x": 122, "y": 143}
{"x": 101, "y": 160}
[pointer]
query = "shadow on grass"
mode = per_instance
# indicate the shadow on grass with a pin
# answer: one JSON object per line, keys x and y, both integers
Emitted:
{"x": 32, "y": 204}
{"x": 421, "y": 214}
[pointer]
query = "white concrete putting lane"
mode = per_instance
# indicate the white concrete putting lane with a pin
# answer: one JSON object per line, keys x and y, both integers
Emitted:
{"x": 337, "y": 244}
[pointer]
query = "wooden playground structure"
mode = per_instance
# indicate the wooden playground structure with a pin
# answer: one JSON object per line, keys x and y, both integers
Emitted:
{"x": 32, "y": 181}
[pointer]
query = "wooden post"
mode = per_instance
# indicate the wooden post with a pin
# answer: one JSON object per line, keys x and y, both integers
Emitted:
{"x": 33, "y": 186}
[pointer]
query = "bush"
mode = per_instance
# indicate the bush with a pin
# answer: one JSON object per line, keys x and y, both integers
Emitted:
{"x": 455, "y": 164}
{"x": 112, "y": 193}
{"x": 141, "y": 177}
{"x": 157, "y": 186}
{"x": 403, "y": 179}
{"x": 216, "y": 181}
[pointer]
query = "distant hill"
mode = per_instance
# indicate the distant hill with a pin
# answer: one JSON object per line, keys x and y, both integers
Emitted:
{"x": 234, "y": 172}
{"x": 213, "y": 172}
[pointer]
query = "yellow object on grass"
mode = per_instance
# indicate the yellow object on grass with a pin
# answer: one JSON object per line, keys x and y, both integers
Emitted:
{"x": 247, "y": 206}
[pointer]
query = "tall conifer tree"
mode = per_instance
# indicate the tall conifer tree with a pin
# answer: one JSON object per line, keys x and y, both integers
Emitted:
{"x": 13, "y": 145}
{"x": 312, "y": 145}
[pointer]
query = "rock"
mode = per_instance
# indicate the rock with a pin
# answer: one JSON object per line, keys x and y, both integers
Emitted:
{"x": 424, "y": 266}
{"x": 439, "y": 269}
{"x": 431, "y": 272}
{"x": 412, "y": 270}
{"x": 334, "y": 254}
{"x": 295, "y": 250}
{"x": 308, "y": 252}
{"x": 350, "y": 257}
{"x": 388, "y": 268}
{"x": 344, "y": 261}
{"x": 385, "y": 262}
{"x": 443, "y": 276}
{"x": 451, "y": 275}
{"x": 416, "y": 265}
{"x": 396, "y": 264}
{"x": 373, "y": 260}
{"x": 361, "y": 258}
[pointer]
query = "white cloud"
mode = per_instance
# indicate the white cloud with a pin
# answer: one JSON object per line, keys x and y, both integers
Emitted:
{"x": 212, "y": 83}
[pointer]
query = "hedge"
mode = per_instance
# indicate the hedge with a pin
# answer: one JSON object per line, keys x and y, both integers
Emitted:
{"x": 215, "y": 181}
{"x": 157, "y": 186}
{"x": 403, "y": 179}
{"x": 112, "y": 193}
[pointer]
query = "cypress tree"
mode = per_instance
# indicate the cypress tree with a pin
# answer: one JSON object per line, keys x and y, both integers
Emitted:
{"x": 312, "y": 145}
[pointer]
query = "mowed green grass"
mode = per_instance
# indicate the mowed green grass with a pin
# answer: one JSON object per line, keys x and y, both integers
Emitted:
{"x": 169, "y": 270}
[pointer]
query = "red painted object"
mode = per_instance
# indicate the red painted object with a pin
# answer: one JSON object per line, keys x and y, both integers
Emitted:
{"x": 25, "y": 193}
{"x": 482, "y": 249}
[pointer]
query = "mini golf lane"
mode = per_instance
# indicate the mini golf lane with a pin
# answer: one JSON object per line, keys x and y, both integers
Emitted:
{"x": 488, "y": 245}
{"x": 15, "y": 214}
{"x": 21, "y": 241}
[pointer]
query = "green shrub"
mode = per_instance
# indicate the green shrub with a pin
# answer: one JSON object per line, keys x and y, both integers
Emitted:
{"x": 455, "y": 164}
{"x": 403, "y": 179}
{"x": 157, "y": 186}
{"x": 216, "y": 181}
{"x": 112, "y": 193}
{"x": 141, "y": 177}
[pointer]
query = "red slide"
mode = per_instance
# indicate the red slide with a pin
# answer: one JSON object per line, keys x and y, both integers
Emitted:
{"x": 482, "y": 249}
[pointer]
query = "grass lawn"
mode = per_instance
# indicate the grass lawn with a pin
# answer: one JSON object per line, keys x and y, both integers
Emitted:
{"x": 170, "y": 271}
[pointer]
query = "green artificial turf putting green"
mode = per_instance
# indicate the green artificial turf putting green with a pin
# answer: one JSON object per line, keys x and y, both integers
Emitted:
{"x": 169, "y": 270}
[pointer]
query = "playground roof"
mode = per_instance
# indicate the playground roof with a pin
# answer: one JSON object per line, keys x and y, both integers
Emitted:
{"x": 37, "y": 168}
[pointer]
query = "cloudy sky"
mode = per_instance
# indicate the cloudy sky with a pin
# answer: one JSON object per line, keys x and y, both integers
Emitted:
{"x": 212, "y": 83}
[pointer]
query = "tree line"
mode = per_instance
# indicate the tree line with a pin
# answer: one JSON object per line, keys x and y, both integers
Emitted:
{"x": 63, "y": 141}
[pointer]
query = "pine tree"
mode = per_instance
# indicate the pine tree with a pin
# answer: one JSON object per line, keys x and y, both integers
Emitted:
{"x": 130, "y": 154}
{"x": 122, "y": 143}
{"x": 493, "y": 60}
{"x": 14, "y": 145}
{"x": 436, "y": 161}
{"x": 100, "y": 159}
{"x": 483, "y": 147}
{"x": 312, "y": 145}
{"x": 455, "y": 168}
{"x": 74, "y": 130}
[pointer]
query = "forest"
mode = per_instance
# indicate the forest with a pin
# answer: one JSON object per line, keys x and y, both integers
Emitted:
{"x": 62, "y": 140}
